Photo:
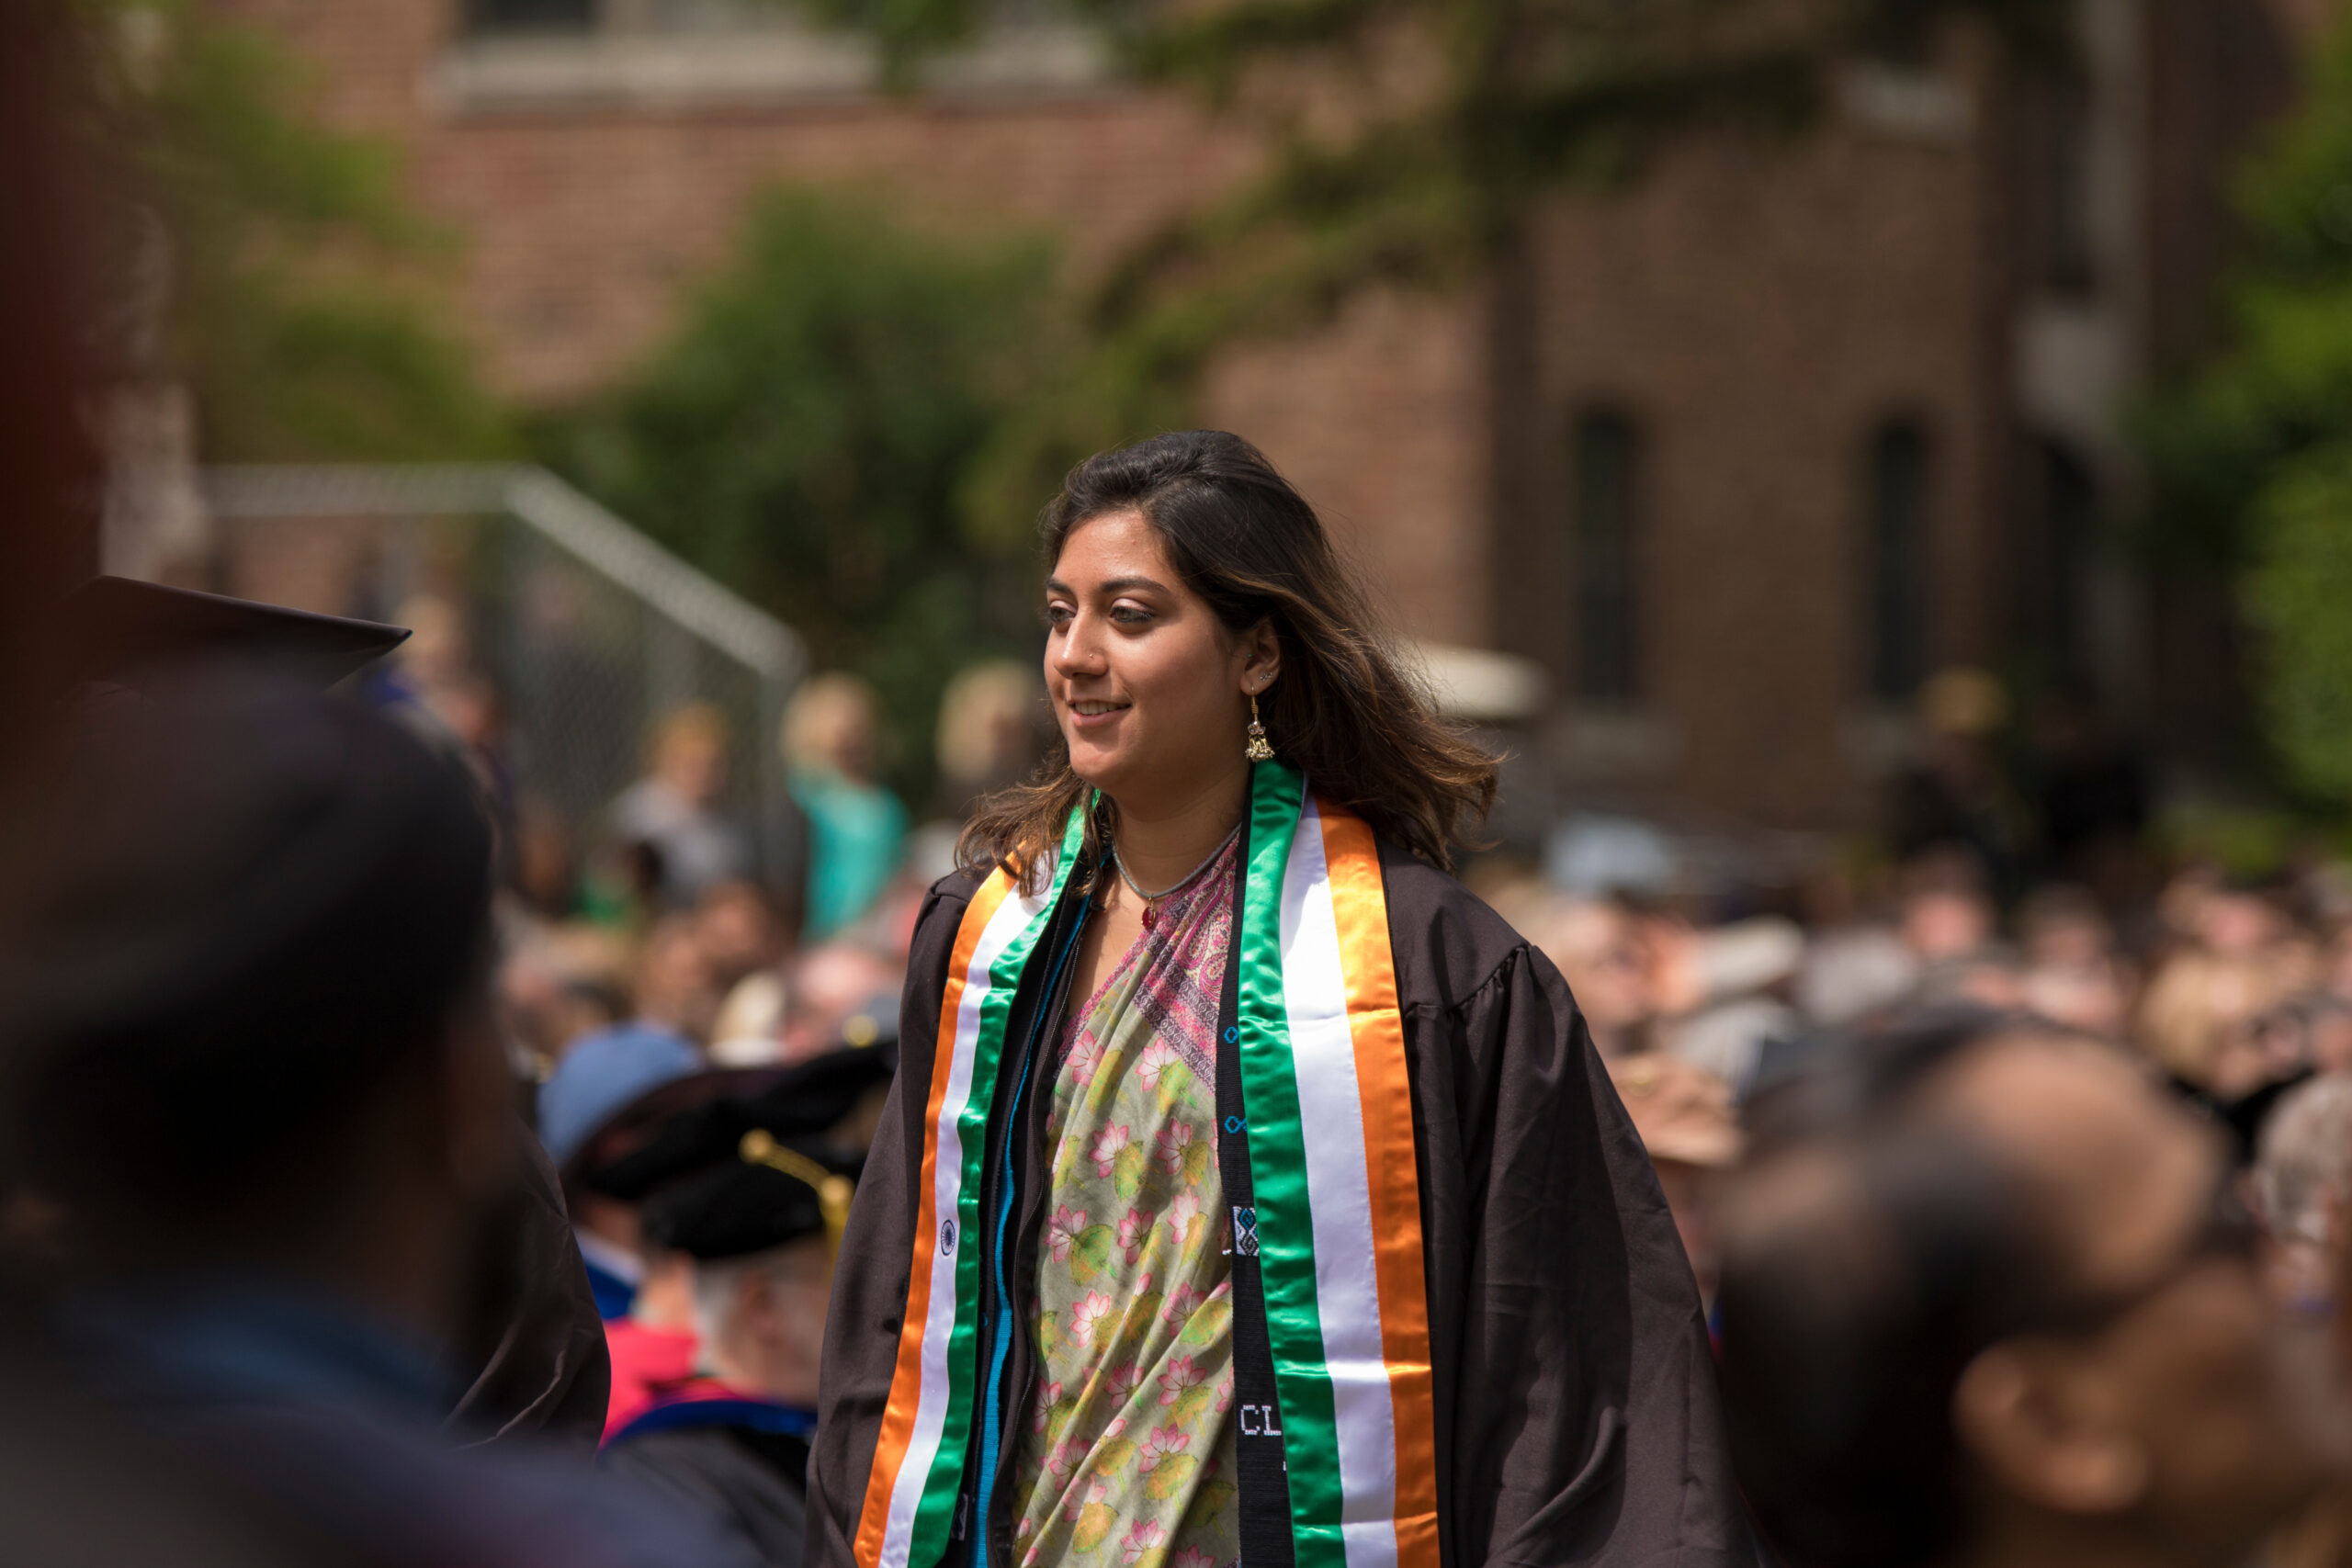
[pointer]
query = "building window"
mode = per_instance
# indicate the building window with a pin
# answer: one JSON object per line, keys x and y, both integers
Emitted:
{"x": 1607, "y": 458}
{"x": 2055, "y": 559}
{"x": 1897, "y": 504}
{"x": 491, "y": 16}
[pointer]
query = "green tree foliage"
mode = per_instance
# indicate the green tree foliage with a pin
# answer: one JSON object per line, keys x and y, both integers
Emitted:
{"x": 2252, "y": 458}
{"x": 808, "y": 435}
{"x": 298, "y": 284}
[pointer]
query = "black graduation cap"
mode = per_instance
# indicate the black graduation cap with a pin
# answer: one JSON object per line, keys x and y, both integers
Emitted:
{"x": 758, "y": 1195}
{"x": 120, "y": 628}
{"x": 753, "y": 1169}
{"x": 704, "y": 1118}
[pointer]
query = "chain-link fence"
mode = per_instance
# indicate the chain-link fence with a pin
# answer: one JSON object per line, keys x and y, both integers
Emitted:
{"x": 582, "y": 632}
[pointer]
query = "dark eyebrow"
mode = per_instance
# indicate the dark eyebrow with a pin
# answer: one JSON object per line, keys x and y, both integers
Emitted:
{"x": 1111, "y": 585}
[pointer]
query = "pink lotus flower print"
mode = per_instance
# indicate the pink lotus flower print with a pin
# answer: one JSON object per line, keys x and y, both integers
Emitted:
{"x": 1182, "y": 1303}
{"x": 1193, "y": 1557}
{"x": 1048, "y": 1395}
{"x": 1142, "y": 1537}
{"x": 1107, "y": 1145}
{"x": 1085, "y": 1058}
{"x": 1183, "y": 1374}
{"x": 1123, "y": 1380}
{"x": 1174, "y": 1140}
{"x": 1156, "y": 1061}
{"x": 1061, "y": 1231}
{"x": 1183, "y": 1212}
{"x": 1132, "y": 1230}
{"x": 1086, "y": 1317}
{"x": 1162, "y": 1442}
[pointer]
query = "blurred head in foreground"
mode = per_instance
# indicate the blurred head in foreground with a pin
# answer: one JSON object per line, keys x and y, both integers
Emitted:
{"x": 1986, "y": 1297}
{"x": 248, "y": 1002}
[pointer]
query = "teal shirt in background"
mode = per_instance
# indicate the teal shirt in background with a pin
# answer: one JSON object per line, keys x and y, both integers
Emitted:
{"x": 855, "y": 834}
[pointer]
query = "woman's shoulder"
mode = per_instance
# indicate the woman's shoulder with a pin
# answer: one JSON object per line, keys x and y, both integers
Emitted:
{"x": 1447, "y": 941}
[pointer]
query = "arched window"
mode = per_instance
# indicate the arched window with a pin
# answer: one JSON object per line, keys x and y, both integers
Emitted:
{"x": 1896, "y": 499}
{"x": 1607, "y": 458}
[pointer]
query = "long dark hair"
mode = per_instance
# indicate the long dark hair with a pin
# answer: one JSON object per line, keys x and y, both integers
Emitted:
{"x": 1343, "y": 709}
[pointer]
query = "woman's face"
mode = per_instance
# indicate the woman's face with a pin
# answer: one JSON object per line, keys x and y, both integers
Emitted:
{"x": 1152, "y": 691}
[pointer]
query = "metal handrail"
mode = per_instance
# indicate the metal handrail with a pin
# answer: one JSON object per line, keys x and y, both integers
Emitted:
{"x": 561, "y": 515}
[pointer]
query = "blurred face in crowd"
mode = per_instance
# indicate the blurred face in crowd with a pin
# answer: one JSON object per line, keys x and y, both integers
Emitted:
{"x": 693, "y": 762}
{"x": 1599, "y": 953}
{"x": 1940, "y": 923}
{"x": 738, "y": 930}
{"x": 2176, "y": 1405}
{"x": 1149, "y": 688}
{"x": 675, "y": 986}
{"x": 762, "y": 1320}
{"x": 2237, "y": 922}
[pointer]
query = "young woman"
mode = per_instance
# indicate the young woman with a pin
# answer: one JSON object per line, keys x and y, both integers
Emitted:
{"x": 1250, "y": 1191}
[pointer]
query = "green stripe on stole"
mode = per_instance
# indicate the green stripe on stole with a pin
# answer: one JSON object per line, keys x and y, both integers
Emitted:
{"x": 935, "y": 1513}
{"x": 1278, "y": 1176}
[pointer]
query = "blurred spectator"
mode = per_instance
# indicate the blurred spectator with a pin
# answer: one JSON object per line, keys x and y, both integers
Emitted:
{"x": 1599, "y": 950}
{"x": 2093, "y": 794}
{"x": 1986, "y": 1300}
{"x": 993, "y": 725}
{"x": 757, "y": 1227}
{"x": 1716, "y": 991}
{"x": 682, "y": 841}
{"x": 743, "y": 942}
{"x": 677, "y": 981}
{"x": 2302, "y": 1178}
{"x": 1958, "y": 797}
{"x": 840, "y": 993}
{"x": 263, "y": 1086}
{"x": 558, "y": 984}
{"x": 1684, "y": 1117}
{"x": 739, "y": 931}
{"x": 593, "y": 1109}
{"x": 855, "y": 826}
{"x": 2199, "y": 1015}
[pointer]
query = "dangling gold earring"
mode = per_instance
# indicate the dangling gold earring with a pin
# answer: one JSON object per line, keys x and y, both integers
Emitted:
{"x": 1260, "y": 749}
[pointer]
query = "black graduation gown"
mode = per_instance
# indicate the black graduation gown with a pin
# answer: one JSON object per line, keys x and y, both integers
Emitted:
{"x": 1575, "y": 1390}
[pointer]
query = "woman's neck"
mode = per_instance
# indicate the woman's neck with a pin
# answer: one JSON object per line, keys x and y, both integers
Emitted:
{"x": 1165, "y": 842}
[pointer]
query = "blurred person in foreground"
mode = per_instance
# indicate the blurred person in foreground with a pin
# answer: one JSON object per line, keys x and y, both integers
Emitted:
{"x": 1089, "y": 1312}
{"x": 1988, "y": 1298}
{"x": 669, "y": 825}
{"x": 855, "y": 826}
{"x": 260, "y": 1085}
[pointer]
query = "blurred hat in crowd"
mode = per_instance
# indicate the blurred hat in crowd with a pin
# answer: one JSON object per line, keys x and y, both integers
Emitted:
{"x": 1681, "y": 1111}
{"x": 604, "y": 1076}
{"x": 122, "y": 630}
{"x": 768, "y": 1158}
{"x": 754, "y": 1194}
{"x": 818, "y": 1097}
{"x": 1963, "y": 702}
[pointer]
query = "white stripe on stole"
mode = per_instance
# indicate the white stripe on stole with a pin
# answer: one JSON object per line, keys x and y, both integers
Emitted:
{"x": 1315, "y": 999}
{"x": 1010, "y": 919}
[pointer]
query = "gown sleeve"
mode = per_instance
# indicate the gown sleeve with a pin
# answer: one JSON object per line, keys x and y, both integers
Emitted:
{"x": 1581, "y": 1413}
{"x": 877, "y": 1256}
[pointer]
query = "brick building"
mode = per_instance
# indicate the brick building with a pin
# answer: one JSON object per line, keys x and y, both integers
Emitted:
{"x": 1737, "y": 454}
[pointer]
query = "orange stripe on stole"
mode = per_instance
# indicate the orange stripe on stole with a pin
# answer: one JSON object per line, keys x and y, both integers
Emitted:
{"x": 1377, "y": 1024}
{"x": 905, "y": 1378}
